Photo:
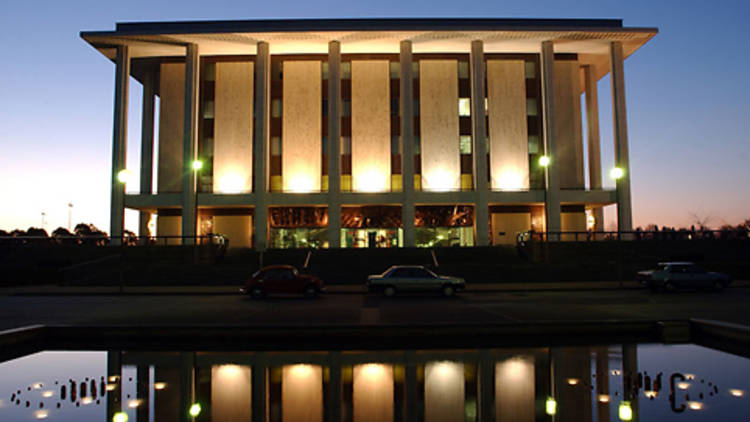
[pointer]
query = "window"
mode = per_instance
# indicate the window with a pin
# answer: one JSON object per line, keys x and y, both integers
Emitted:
{"x": 275, "y": 145}
{"x": 208, "y": 109}
{"x": 346, "y": 145}
{"x": 346, "y": 108}
{"x": 415, "y": 69}
{"x": 464, "y": 107}
{"x": 530, "y": 70}
{"x": 465, "y": 144}
{"x": 463, "y": 70}
{"x": 534, "y": 145}
{"x": 531, "y": 107}
{"x": 346, "y": 70}
{"x": 421, "y": 273}
{"x": 416, "y": 145}
{"x": 276, "y": 107}
{"x": 395, "y": 70}
{"x": 324, "y": 70}
{"x": 395, "y": 144}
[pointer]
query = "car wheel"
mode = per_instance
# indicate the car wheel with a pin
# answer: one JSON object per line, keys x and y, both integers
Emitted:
{"x": 257, "y": 293}
{"x": 669, "y": 286}
{"x": 718, "y": 286}
{"x": 310, "y": 291}
{"x": 448, "y": 291}
{"x": 389, "y": 291}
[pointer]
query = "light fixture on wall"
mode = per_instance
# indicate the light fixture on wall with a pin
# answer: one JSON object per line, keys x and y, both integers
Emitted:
{"x": 372, "y": 180}
{"x": 300, "y": 184}
{"x": 544, "y": 161}
{"x": 439, "y": 180}
{"x": 231, "y": 182}
{"x": 510, "y": 180}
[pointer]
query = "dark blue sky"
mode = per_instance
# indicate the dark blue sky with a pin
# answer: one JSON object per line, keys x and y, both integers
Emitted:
{"x": 687, "y": 93}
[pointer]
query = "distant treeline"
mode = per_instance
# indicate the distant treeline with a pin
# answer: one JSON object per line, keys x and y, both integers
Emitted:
{"x": 82, "y": 234}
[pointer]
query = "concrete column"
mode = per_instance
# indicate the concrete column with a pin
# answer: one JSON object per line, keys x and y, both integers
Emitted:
{"x": 479, "y": 131}
{"x": 260, "y": 145}
{"x": 630, "y": 377}
{"x": 406, "y": 107}
{"x": 593, "y": 139}
{"x": 119, "y": 143}
{"x": 334, "y": 144}
{"x": 334, "y": 397}
{"x": 258, "y": 390}
{"x": 552, "y": 189}
{"x": 620, "y": 122}
{"x": 190, "y": 144}
{"x": 147, "y": 147}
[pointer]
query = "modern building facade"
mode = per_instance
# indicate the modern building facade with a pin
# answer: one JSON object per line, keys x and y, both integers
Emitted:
{"x": 370, "y": 132}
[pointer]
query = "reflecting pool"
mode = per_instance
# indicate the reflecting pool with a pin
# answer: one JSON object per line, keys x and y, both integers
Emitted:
{"x": 647, "y": 382}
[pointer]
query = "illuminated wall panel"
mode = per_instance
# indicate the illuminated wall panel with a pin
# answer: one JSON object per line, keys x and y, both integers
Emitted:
{"x": 514, "y": 390}
{"x": 510, "y": 224}
{"x": 373, "y": 393}
{"x": 568, "y": 130}
{"x": 238, "y": 228}
{"x": 508, "y": 129}
{"x": 231, "y": 398}
{"x": 371, "y": 126}
{"x": 301, "y": 127}
{"x": 302, "y": 393}
{"x": 438, "y": 114}
{"x": 171, "y": 118}
{"x": 233, "y": 128}
{"x": 444, "y": 392}
{"x": 169, "y": 225}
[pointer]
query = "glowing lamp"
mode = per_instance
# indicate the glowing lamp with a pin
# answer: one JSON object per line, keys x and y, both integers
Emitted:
{"x": 197, "y": 165}
{"x": 603, "y": 398}
{"x": 616, "y": 173}
{"x": 231, "y": 183}
{"x": 439, "y": 181}
{"x": 371, "y": 181}
{"x": 195, "y": 410}
{"x": 124, "y": 176}
{"x": 510, "y": 180}
{"x": 544, "y": 161}
{"x": 120, "y": 417}
{"x": 625, "y": 411}
{"x": 160, "y": 385}
{"x": 573, "y": 381}
{"x": 550, "y": 406}
{"x": 300, "y": 184}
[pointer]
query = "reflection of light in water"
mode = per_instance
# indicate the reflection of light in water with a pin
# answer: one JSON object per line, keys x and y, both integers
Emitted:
{"x": 690, "y": 376}
{"x": 573, "y": 381}
{"x": 111, "y": 387}
{"x": 86, "y": 400}
{"x": 229, "y": 371}
{"x": 683, "y": 385}
{"x": 550, "y": 406}
{"x": 301, "y": 370}
{"x": 603, "y": 398}
{"x": 650, "y": 393}
{"x": 736, "y": 393}
{"x": 625, "y": 411}
{"x": 37, "y": 386}
{"x": 134, "y": 403}
{"x": 48, "y": 393}
{"x": 120, "y": 417}
{"x": 373, "y": 370}
{"x": 41, "y": 414}
{"x": 160, "y": 385}
{"x": 113, "y": 378}
{"x": 695, "y": 405}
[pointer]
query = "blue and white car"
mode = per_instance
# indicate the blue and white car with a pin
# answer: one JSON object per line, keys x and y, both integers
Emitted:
{"x": 402, "y": 278}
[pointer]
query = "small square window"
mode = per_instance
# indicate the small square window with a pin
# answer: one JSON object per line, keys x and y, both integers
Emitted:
{"x": 463, "y": 70}
{"x": 464, "y": 107}
{"x": 346, "y": 145}
{"x": 417, "y": 143}
{"x": 324, "y": 70}
{"x": 416, "y": 107}
{"x": 465, "y": 144}
{"x": 276, "y": 107}
{"x": 531, "y": 107}
{"x": 209, "y": 72}
{"x": 346, "y": 108}
{"x": 415, "y": 69}
{"x": 208, "y": 110}
{"x": 346, "y": 70}
{"x": 530, "y": 70}
{"x": 395, "y": 144}
{"x": 534, "y": 144}
{"x": 486, "y": 106}
{"x": 275, "y": 145}
{"x": 324, "y": 144}
{"x": 395, "y": 70}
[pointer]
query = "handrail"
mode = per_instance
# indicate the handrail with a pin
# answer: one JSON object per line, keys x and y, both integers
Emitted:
{"x": 125, "y": 240}
{"x": 635, "y": 235}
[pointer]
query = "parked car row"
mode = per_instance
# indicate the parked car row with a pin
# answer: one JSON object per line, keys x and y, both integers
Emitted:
{"x": 285, "y": 279}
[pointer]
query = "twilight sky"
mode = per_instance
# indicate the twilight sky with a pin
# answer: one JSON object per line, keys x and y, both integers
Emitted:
{"x": 688, "y": 99}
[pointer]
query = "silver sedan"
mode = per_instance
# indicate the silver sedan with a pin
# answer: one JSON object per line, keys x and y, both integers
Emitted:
{"x": 413, "y": 278}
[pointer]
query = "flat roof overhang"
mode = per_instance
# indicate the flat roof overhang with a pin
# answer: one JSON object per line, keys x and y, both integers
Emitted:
{"x": 589, "y": 38}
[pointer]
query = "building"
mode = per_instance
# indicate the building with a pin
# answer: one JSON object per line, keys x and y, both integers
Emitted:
{"x": 440, "y": 128}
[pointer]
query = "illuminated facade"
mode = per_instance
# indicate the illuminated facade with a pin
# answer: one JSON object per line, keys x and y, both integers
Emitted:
{"x": 370, "y": 132}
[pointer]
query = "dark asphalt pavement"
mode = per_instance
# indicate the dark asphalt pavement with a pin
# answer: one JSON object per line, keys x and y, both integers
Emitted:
{"x": 731, "y": 305}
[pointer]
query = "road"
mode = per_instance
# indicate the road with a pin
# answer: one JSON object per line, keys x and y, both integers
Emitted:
{"x": 352, "y": 309}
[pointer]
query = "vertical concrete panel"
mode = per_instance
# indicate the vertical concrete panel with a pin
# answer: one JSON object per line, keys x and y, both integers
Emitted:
{"x": 169, "y": 225}
{"x": 514, "y": 390}
{"x": 510, "y": 224}
{"x": 373, "y": 393}
{"x": 568, "y": 125}
{"x": 231, "y": 393}
{"x": 237, "y": 228}
{"x": 171, "y": 126}
{"x": 508, "y": 129}
{"x": 233, "y": 128}
{"x": 302, "y": 393}
{"x": 438, "y": 102}
{"x": 301, "y": 127}
{"x": 371, "y": 126}
{"x": 444, "y": 392}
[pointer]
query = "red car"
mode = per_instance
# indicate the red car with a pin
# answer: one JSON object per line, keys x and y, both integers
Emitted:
{"x": 284, "y": 279}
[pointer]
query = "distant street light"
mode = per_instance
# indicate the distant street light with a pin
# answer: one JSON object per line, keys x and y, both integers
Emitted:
{"x": 616, "y": 173}
{"x": 544, "y": 161}
{"x": 197, "y": 165}
{"x": 124, "y": 176}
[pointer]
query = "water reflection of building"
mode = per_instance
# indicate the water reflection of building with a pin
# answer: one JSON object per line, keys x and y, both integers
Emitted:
{"x": 434, "y": 386}
{"x": 323, "y": 119}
